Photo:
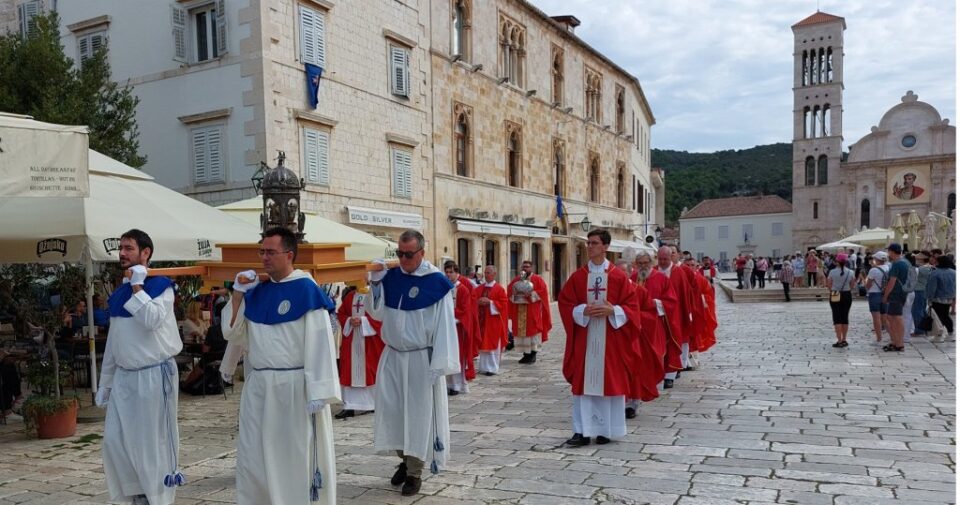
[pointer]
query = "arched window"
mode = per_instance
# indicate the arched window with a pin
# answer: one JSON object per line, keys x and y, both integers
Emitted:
{"x": 595, "y": 181}
{"x": 809, "y": 172}
{"x": 806, "y": 123}
{"x": 621, "y": 186}
{"x": 805, "y": 70}
{"x": 813, "y": 67}
{"x": 462, "y": 134}
{"x": 816, "y": 210}
{"x": 865, "y": 213}
{"x": 815, "y": 123}
{"x": 620, "y": 109}
{"x": 829, "y": 64}
{"x": 513, "y": 160}
{"x": 461, "y": 29}
{"x": 559, "y": 177}
{"x": 822, "y": 170}
{"x": 557, "y": 92}
{"x": 821, "y": 66}
{"x": 825, "y": 127}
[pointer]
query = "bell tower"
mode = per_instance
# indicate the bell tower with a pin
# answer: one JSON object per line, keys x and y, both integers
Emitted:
{"x": 819, "y": 200}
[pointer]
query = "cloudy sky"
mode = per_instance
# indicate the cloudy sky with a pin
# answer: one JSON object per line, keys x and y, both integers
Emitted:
{"x": 718, "y": 73}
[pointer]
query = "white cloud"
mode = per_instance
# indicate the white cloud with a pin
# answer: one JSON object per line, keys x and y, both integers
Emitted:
{"x": 718, "y": 73}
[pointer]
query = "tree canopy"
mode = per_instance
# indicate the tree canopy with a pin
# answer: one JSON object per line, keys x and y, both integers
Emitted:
{"x": 693, "y": 177}
{"x": 38, "y": 79}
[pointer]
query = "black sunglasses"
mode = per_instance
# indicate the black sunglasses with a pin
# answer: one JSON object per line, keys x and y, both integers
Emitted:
{"x": 407, "y": 254}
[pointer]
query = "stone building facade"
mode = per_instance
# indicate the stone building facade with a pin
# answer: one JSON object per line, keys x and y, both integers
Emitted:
{"x": 912, "y": 146}
{"x": 525, "y": 113}
{"x": 536, "y": 111}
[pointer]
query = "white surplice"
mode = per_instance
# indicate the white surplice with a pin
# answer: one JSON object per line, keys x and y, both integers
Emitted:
{"x": 489, "y": 361}
{"x": 412, "y": 409}
{"x": 140, "y": 437}
{"x": 595, "y": 414}
{"x": 275, "y": 448}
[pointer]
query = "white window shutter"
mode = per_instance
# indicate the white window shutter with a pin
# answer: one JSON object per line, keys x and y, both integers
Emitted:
{"x": 27, "y": 11}
{"x": 407, "y": 175}
{"x": 83, "y": 44}
{"x": 311, "y": 161}
{"x": 222, "y": 27}
{"x": 323, "y": 157}
{"x": 200, "y": 168}
{"x": 179, "y": 20}
{"x": 399, "y": 71}
{"x": 312, "y": 48}
{"x": 215, "y": 150}
{"x": 320, "y": 28}
{"x": 402, "y": 176}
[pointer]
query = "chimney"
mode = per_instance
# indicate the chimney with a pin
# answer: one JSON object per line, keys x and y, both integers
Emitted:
{"x": 569, "y": 22}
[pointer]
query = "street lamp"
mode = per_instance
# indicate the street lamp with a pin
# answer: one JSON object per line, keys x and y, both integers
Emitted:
{"x": 585, "y": 224}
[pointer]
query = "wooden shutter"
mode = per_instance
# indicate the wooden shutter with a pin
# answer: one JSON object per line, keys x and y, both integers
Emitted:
{"x": 399, "y": 71}
{"x": 402, "y": 173}
{"x": 316, "y": 146}
{"x": 200, "y": 165}
{"x": 88, "y": 45}
{"x": 27, "y": 11}
{"x": 312, "y": 47}
{"x": 179, "y": 20}
{"x": 208, "y": 156}
{"x": 323, "y": 156}
{"x": 222, "y": 27}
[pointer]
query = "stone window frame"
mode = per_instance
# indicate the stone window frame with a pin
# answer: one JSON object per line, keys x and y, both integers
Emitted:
{"x": 621, "y": 185}
{"x": 593, "y": 95}
{"x": 466, "y": 29}
{"x": 557, "y": 75}
{"x": 511, "y": 58}
{"x": 559, "y": 163}
{"x": 593, "y": 176}
{"x": 513, "y": 132}
{"x": 464, "y": 111}
{"x": 620, "y": 98}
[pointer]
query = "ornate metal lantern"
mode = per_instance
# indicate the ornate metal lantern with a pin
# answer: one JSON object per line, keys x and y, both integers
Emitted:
{"x": 281, "y": 198}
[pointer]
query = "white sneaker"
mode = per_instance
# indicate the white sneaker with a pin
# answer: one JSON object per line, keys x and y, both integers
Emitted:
{"x": 938, "y": 338}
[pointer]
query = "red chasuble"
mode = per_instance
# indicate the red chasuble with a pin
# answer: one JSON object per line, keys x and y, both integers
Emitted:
{"x": 651, "y": 347}
{"x": 620, "y": 357}
{"x": 708, "y": 335}
{"x": 696, "y": 307}
{"x": 466, "y": 327}
{"x": 683, "y": 284}
{"x": 474, "y": 322}
{"x": 538, "y": 314}
{"x": 493, "y": 328}
{"x": 659, "y": 287}
{"x": 373, "y": 345}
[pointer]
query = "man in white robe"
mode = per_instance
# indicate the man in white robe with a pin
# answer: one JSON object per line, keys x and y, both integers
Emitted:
{"x": 415, "y": 303}
{"x": 138, "y": 383}
{"x": 285, "y": 451}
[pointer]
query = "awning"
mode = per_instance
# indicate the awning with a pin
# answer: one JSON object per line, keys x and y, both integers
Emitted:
{"x": 618, "y": 246}
{"x": 385, "y": 218}
{"x": 512, "y": 230}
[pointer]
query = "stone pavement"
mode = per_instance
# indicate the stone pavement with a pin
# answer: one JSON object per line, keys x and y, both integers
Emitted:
{"x": 775, "y": 415}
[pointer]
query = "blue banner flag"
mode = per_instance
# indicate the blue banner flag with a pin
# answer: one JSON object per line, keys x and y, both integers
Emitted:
{"x": 559, "y": 207}
{"x": 313, "y": 83}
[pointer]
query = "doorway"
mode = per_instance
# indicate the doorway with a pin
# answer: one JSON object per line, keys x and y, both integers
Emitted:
{"x": 559, "y": 259}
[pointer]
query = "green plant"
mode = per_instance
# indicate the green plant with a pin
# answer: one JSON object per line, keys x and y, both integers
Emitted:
{"x": 39, "y": 405}
{"x": 46, "y": 375}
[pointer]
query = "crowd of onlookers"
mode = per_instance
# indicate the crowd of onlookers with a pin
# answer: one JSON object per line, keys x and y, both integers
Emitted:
{"x": 909, "y": 294}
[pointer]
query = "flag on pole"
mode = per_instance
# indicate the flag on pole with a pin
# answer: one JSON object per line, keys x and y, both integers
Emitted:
{"x": 559, "y": 207}
{"x": 313, "y": 83}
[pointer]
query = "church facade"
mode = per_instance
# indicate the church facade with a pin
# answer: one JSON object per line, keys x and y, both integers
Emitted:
{"x": 906, "y": 164}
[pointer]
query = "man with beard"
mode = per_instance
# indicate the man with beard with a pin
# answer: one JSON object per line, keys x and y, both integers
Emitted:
{"x": 141, "y": 442}
{"x": 653, "y": 333}
{"x": 491, "y": 300}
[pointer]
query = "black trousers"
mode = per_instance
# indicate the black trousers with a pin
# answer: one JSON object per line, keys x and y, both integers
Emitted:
{"x": 740, "y": 278}
{"x": 786, "y": 290}
{"x": 943, "y": 314}
{"x": 811, "y": 279}
{"x": 10, "y": 381}
{"x": 761, "y": 278}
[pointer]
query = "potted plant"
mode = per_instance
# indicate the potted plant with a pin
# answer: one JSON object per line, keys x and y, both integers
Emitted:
{"x": 46, "y": 411}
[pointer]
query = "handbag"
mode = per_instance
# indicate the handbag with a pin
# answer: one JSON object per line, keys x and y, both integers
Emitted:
{"x": 861, "y": 289}
{"x": 834, "y": 296}
{"x": 926, "y": 322}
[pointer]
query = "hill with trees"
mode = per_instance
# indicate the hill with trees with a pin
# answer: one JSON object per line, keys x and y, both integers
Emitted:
{"x": 692, "y": 177}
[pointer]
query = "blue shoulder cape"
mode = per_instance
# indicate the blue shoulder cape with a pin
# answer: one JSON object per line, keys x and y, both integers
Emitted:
{"x": 283, "y": 302}
{"x": 410, "y": 292}
{"x": 153, "y": 286}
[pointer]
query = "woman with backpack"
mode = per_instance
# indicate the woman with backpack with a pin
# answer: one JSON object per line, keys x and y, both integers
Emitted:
{"x": 841, "y": 282}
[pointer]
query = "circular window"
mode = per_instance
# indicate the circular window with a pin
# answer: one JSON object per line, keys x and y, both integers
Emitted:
{"x": 908, "y": 141}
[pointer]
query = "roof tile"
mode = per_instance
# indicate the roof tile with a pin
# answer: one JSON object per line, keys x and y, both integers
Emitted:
{"x": 739, "y": 206}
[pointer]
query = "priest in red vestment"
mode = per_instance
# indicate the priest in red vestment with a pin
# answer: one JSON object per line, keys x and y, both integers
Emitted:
{"x": 491, "y": 303}
{"x": 708, "y": 329}
{"x": 360, "y": 349}
{"x": 690, "y": 354}
{"x": 599, "y": 311}
{"x": 681, "y": 288}
{"x": 464, "y": 313}
{"x": 529, "y": 312}
{"x": 652, "y": 287}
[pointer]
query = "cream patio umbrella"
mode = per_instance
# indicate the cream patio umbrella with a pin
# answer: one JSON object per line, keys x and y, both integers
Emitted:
{"x": 913, "y": 226}
{"x": 873, "y": 237}
{"x": 318, "y": 230}
{"x": 86, "y": 229}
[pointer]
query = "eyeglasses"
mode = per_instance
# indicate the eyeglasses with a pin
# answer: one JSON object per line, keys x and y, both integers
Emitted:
{"x": 594, "y": 242}
{"x": 269, "y": 253}
{"x": 408, "y": 254}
